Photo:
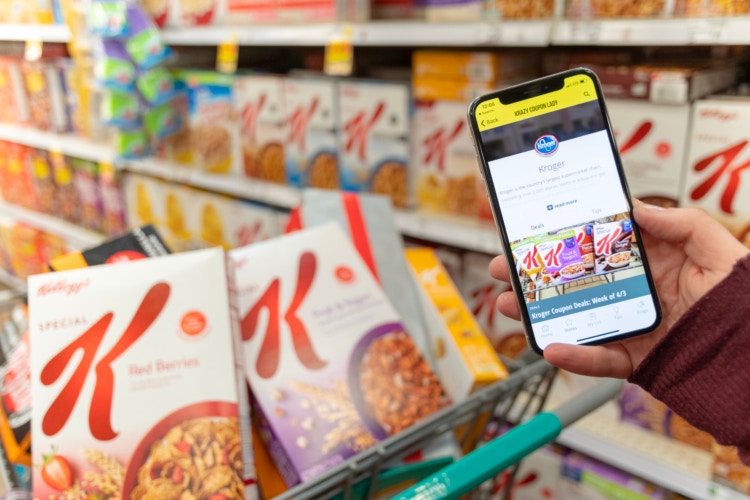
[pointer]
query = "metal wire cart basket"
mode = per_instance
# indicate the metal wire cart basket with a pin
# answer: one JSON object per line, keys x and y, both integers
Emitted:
{"x": 518, "y": 399}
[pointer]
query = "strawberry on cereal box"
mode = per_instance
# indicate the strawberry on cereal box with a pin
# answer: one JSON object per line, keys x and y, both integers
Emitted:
{"x": 329, "y": 363}
{"x": 135, "y": 383}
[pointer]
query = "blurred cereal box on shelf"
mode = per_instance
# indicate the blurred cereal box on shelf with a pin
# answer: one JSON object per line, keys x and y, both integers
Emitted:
{"x": 335, "y": 384}
{"x": 578, "y": 9}
{"x": 450, "y": 10}
{"x": 455, "y": 65}
{"x": 718, "y": 157}
{"x": 143, "y": 195}
{"x": 443, "y": 158}
{"x": 436, "y": 89}
{"x": 305, "y": 11}
{"x": 16, "y": 182}
{"x": 465, "y": 358}
{"x": 652, "y": 139}
{"x": 113, "y": 200}
{"x": 43, "y": 179}
{"x": 86, "y": 179}
{"x": 14, "y": 106}
{"x": 46, "y": 98}
{"x": 310, "y": 151}
{"x": 375, "y": 124}
{"x": 67, "y": 194}
{"x": 149, "y": 342}
{"x": 180, "y": 208}
{"x": 586, "y": 478}
{"x": 260, "y": 101}
{"x": 510, "y": 9}
{"x": 638, "y": 407}
{"x": 184, "y": 13}
{"x": 214, "y": 132}
{"x": 212, "y": 212}
{"x": 245, "y": 12}
{"x": 140, "y": 243}
{"x": 480, "y": 290}
{"x": 250, "y": 223}
{"x": 727, "y": 469}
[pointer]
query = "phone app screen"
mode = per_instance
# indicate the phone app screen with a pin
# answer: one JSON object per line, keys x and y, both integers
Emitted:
{"x": 566, "y": 215}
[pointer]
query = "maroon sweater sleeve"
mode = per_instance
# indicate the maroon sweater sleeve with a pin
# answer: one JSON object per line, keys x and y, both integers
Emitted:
{"x": 701, "y": 368}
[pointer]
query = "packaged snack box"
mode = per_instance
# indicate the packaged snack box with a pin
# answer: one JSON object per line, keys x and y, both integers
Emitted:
{"x": 374, "y": 140}
{"x": 17, "y": 184}
{"x": 260, "y": 101}
{"x": 40, "y": 167}
{"x": 214, "y": 133}
{"x": 86, "y": 179}
{"x": 310, "y": 152}
{"x": 113, "y": 200}
{"x": 717, "y": 163}
{"x": 140, "y": 243}
{"x": 156, "y": 336}
{"x": 250, "y": 223}
{"x": 561, "y": 256}
{"x": 652, "y": 139}
{"x": 44, "y": 88}
{"x": 465, "y": 358}
{"x": 142, "y": 196}
{"x": 329, "y": 364}
{"x": 447, "y": 175}
{"x": 179, "y": 204}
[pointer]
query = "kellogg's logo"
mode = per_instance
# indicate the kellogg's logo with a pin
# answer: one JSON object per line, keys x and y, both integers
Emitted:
{"x": 62, "y": 286}
{"x": 546, "y": 145}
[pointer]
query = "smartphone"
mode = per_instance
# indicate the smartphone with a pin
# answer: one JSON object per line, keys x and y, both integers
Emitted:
{"x": 560, "y": 200}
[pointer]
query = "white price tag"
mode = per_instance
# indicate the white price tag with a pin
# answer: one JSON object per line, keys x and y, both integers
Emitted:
{"x": 585, "y": 31}
{"x": 702, "y": 31}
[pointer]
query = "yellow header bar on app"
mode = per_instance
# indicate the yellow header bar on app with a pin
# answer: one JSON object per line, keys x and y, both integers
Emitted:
{"x": 577, "y": 89}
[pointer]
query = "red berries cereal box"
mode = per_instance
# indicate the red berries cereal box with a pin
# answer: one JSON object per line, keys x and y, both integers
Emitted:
{"x": 134, "y": 382}
{"x": 330, "y": 365}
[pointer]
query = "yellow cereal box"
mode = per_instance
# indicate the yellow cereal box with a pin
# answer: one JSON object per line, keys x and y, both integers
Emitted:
{"x": 460, "y": 347}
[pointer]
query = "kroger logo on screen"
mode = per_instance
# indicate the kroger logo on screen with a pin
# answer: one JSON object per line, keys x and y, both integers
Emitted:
{"x": 546, "y": 145}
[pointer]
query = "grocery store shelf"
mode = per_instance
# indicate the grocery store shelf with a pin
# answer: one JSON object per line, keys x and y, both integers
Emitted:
{"x": 452, "y": 231}
{"x": 63, "y": 143}
{"x": 263, "y": 192}
{"x": 40, "y": 32}
{"x": 661, "y": 460}
{"x": 75, "y": 236}
{"x": 376, "y": 33}
{"x": 675, "y": 31}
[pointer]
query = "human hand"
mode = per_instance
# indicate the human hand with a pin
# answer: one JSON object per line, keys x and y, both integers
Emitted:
{"x": 688, "y": 252}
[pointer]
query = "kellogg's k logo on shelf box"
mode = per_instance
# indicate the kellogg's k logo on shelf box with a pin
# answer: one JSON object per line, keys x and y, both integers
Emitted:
{"x": 134, "y": 381}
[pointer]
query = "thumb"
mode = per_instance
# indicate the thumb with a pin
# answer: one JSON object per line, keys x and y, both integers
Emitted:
{"x": 674, "y": 225}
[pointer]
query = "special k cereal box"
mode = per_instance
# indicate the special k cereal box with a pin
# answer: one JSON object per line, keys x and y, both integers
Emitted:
{"x": 718, "y": 161}
{"x": 480, "y": 290}
{"x": 447, "y": 175}
{"x": 652, "y": 139}
{"x": 330, "y": 366}
{"x": 134, "y": 381}
{"x": 260, "y": 101}
{"x": 143, "y": 195}
{"x": 310, "y": 151}
{"x": 374, "y": 141}
{"x": 465, "y": 358}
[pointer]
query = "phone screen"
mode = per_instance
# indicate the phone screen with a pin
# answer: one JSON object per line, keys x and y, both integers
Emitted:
{"x": 561, "y": 203}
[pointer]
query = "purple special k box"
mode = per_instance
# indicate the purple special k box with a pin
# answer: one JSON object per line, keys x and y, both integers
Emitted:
{"x": 331, "y": 368}
{"x": 134, "y": 382}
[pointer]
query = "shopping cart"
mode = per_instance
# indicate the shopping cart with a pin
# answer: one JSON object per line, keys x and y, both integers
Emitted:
{"x": 515, "y": 402}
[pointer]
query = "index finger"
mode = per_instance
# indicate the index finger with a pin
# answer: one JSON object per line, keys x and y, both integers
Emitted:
{"x": 499, "y": 268}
